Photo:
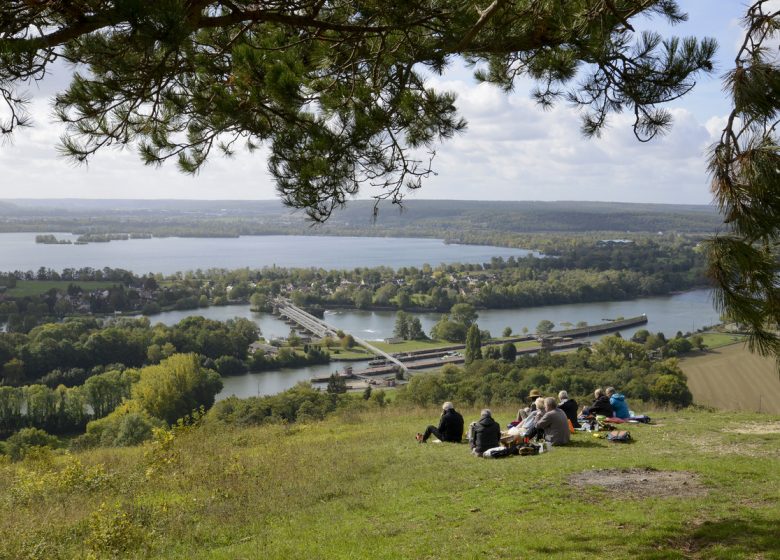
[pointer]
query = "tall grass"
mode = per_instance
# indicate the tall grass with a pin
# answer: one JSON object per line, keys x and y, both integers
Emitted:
{"x": 358, "y": 486}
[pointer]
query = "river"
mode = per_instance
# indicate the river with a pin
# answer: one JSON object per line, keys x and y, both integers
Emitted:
{"x": 178, "y": 254}
{"x": 684, "y": 312}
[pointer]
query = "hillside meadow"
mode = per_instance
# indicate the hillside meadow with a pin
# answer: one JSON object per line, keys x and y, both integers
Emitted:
{"x": 696, "y": 484}
{"x": 733, "y": 378}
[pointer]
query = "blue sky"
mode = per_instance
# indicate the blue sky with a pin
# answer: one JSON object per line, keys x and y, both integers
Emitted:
{"x": 511, "y": 151}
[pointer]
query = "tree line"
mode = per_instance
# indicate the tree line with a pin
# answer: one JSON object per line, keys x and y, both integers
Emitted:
{"x": 118, "y": 407}
{"x": 577, "y": 270}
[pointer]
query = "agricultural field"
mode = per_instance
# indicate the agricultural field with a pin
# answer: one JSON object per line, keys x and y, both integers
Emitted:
{"x": 25, "y": 288}
{"x": 732, "y": 378}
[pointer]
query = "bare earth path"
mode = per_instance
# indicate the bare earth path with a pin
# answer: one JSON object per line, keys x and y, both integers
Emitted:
{"x": 732, "y": 378}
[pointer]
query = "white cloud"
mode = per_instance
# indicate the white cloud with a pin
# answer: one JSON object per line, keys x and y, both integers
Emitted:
{"x": 511, "y": 150}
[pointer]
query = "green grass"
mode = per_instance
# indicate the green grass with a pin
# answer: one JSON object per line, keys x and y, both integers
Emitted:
{"x": 350, "y": 354}
{"x": 358, "y": 486}
{"x": 717, "y": 340}
{"x": 338, "y": 353}
{"x": 26, "y": 288}
{"x": 407, "y": 346}
{"x": 520, "y": 345}
{"x": 412, "y": 345}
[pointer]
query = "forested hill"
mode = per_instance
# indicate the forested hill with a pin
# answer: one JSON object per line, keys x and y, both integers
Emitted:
{"x": 443, "y": 218}
{"x": 537, "y": 216}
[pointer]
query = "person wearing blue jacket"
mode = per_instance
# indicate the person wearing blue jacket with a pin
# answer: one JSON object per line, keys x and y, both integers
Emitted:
{"x": 618, "y": 402}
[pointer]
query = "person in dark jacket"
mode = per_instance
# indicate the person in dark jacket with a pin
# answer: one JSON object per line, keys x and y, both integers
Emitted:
{"x": 569, "y": 407}
{"x": 450, "y": 426}
{"x": 600, "y": 405}
{"x": 485, "y": 433}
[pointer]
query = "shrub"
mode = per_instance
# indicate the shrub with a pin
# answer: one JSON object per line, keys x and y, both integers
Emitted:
{"x": 671, "y": 389}
{"x": 300, "y": 402}
{"x": 133, "y": 429}
{"x": 509, "y": 352}
{"x": 26, "y": 440}
{"x": 229, "y": 365}
{"x": 129, "y": 424}
{"x": 175, "y": 387}
{"x": 114, "y": 532}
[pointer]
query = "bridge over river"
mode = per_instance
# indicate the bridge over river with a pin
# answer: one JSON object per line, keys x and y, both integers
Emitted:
{"x": 318, "y": 327}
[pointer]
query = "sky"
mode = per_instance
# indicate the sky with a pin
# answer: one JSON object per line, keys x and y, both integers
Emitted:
{"x": 512, "y": 150}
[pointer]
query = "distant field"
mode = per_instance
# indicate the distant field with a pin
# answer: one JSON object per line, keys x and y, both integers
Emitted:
{"x": 412, "y": 345}
{"x": 37, "y": 287}
{"x": 732, "y": 378}
{"x": 718, "y": 340}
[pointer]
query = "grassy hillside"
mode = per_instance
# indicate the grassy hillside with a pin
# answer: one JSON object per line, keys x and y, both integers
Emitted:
{"x": 695, "y": 485}
{"x": 732, "y": 378}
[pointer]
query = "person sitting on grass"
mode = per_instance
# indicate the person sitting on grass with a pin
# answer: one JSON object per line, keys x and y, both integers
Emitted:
{"x": 450, "y": 426}
{"x": 484, "y": 434}
{"x": 523, "y": 413}
{"x": 532, "y": 415}
{"x": 553, "y": 426}
{"x": 569, "y": 407}
{"x": 600, "y": 406}
{"x": 618, "y": 402}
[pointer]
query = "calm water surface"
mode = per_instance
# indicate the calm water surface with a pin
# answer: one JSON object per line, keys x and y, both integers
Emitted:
{"x": 18, "y": 251}
{"x": 685, "y": 312}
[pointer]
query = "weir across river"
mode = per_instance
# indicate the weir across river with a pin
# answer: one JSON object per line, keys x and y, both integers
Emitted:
{"x": 318, "y": 327}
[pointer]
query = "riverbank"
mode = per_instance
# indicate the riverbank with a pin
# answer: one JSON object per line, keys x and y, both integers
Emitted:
{"x": 665, "y": 314}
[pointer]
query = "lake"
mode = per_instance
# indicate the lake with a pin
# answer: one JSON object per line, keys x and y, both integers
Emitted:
{"x": 684, "y": 312}
{"x": 174, "y": 254}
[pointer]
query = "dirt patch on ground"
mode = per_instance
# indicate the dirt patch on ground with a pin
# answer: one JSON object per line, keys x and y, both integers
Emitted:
{"x": 755, "y": 428}
{"x": 642, "y": 483}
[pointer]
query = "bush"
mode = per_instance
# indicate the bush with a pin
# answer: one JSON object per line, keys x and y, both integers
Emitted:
{"x": 229, "y": 365}
{"x": 671, "y": 389}
{"x": 26, "y": 440}
{"x": 302, "y": 402}
{"x": 509, "y": 352}
{"x": 128, "y": 425}
{"x": 175, "y": 387}
{"x": 134, "y": 429}
{"x": 151, "y": 308}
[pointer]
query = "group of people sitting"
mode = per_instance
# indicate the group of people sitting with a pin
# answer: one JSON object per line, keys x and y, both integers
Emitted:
{"x": 608, "y": 403}
{"x": 544, "y": 419}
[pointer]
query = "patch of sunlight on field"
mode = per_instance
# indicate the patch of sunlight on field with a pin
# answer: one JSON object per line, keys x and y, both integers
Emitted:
{"x": 732, "y": 378}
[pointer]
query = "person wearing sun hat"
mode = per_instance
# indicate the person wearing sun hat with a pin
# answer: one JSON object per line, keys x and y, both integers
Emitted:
{"x": 532, "y": 396}
{"x": 525, "y": 411}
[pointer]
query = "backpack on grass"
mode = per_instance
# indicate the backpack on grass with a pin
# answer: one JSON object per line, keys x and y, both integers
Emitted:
{"x": 621, "y": 436}
{"x": 499, "y": 452}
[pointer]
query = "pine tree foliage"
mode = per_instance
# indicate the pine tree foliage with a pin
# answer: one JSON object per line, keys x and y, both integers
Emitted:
{"x": 336, "y": 90}
{"x": 745, "y": 170}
